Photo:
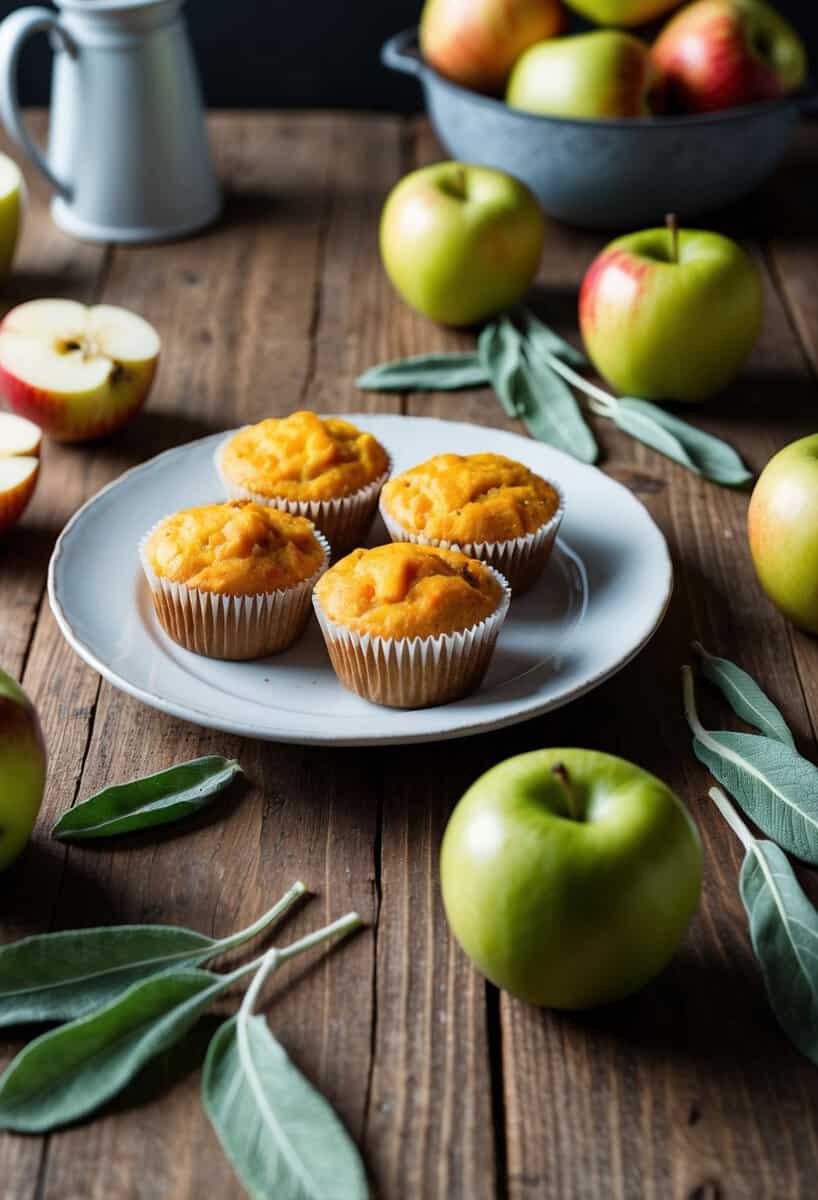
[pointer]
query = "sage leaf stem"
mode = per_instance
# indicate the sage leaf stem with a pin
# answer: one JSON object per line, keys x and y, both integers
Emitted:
{"x": 744, "y": 696}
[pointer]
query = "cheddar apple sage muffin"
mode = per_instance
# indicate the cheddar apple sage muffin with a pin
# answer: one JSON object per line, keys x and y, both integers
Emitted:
{"x": 233, "y": 580}
{"x": 324, "y": 469}
{"x": 486, "y": 505}
{"x": 410, "y": 626}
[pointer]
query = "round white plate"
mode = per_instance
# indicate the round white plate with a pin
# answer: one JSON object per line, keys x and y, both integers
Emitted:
{"x": 604, "y": 593}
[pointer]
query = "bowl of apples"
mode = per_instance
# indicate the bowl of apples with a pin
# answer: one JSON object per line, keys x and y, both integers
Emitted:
{"x": 608, "y": 129}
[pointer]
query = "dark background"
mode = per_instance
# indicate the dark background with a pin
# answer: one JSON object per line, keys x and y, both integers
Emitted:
{"x": 269, "y": 53}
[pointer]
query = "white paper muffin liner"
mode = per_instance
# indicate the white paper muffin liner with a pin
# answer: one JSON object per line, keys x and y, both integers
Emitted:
{"x": 413, "y": 672}
{"x": 344, "y": 522}
{"x": 521, "y": 560}
{"x": 231, "y": 627}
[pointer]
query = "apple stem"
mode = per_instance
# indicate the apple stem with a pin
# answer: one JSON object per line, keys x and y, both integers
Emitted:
{"x": 672, "y": 222}
{"x": 563, "y": 778}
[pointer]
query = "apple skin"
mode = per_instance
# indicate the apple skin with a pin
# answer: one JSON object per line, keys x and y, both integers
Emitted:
{"x": 598, "y": 74}
{"x": 460, "y": 242}
{"x": 562, "y": 912}
{"x": 665, "y": 330}
{"x": 622, "y": 12}
{"x": 476, "y": 42}
{"x": 782, "y": 525}
{"x": 11, "y": 212}
{"x": 14, "y": 502}
{"x": 22, "y": 769}
{"x": 718, "y": 54}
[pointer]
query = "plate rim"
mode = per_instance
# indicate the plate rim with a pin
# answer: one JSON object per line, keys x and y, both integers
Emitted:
{"x": 470, "y": 726}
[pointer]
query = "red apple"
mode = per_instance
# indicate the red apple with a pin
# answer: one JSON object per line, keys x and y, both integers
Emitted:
{"x": 477, "y": 42}
{"x": 78, "y": 372}
{"x": 717, "y": 54}
{"x": 19, "y": 466}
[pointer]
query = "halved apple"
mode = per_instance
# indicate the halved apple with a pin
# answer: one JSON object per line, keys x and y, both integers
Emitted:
{"x": 79, "y": 372}
{"x": 19, "y": 466}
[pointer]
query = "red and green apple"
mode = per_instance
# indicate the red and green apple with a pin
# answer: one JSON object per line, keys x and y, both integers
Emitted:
{"x": 22, "y": 769}
{"x": 569, "y": 877}
{"x": 19, "y": 466}
{"x": 477, "y": 42}
{"x": 782, "y": 524}
{"x": 670, "y": 314}
{"x": 599, "y": 74}
{"x": 622, "y": 12}
{"x": 78, "y": 372}
{"x": 460, "y": 242}
{"x": 718, "y": 54}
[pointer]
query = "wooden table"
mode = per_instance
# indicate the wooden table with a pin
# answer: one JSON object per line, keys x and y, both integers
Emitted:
{"x": 453, "y": 1091}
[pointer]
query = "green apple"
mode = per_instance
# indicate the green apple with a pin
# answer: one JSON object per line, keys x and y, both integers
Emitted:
{"x": 599, "y": 74}
{"x": 622, "y": 12}
{"x": 12, "y": 191}
{"x": 476, "y": 43}
{"x": 569, "y": 877}
{"x": 671, "y": 315}
{"x": 782, "y": 524}
{"x": 460, "y": 242}
{"x": 22, "y": 769}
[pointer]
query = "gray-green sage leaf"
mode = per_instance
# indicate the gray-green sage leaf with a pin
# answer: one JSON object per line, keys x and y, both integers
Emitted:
{"x": 500, "y": 347}
{"x": 744, "y": 696}
{"x": 551, "y": 413}
{"x": 542, "y": 339}
{"x": 159, "y": 799}
{"x": 699, "y": 452}
{"x": 426, "y": 373}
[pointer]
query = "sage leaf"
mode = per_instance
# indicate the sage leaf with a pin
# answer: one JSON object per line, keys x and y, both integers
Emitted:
{"x": 61, "y": 976}
{"x": 426, "y": 373}
{"x": 542, "y": 339}
{"x": 774, "y": 785}
{"x": 551, "y": 413}
{"x": 744, "y": 696}
{"x": 159, "y": 799}
{"x": 784, "y": 933}
{"x": 280, "y": 1134}
{"x": 500, "y": 347}
{"x": 699, "y": 452}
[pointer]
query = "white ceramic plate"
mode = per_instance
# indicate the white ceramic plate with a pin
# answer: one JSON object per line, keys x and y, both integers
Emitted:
{"x": 603, "y": 595}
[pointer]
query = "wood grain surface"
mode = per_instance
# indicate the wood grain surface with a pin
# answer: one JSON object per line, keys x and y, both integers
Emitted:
{"x": 454, "y": 1092}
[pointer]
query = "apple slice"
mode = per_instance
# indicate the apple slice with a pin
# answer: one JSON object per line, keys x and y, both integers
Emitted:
{"x": 78, "y": 372}
{"x": 18, "y": 479}
{"x": 18, "y": 436}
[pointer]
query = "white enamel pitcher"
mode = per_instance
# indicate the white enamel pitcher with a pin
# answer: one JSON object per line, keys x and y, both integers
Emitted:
{"x": 128, "y": 157}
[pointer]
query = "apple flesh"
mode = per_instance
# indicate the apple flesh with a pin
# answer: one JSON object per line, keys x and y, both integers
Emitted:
{"x": 79, "y": 372}
{"x": 599, "y": 74}
{"x": 718, "y": 54}
{"x": 460, "y": 242}
{"x": 622, "y": 12}
{"x": 569, "y": 877}
{"x": 782, "y": 525}
{"x": 19, "y": 466}
{"x": 668, "y": 316}
{"x": 476, "y": 42}
{"x": 22, "y": 769}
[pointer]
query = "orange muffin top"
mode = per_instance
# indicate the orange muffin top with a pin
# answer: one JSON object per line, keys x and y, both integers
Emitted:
{"x": 472, "y": 498}
{"x": 303, "y": 457}
{"x": 405, "y": 591}
{"x": 236, "y": 549}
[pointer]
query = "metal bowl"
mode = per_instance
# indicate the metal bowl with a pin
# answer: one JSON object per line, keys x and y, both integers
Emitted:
{"x": 608, "y": 174}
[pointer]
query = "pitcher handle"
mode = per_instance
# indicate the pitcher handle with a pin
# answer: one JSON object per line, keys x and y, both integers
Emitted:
{"x": 14, "y": 33}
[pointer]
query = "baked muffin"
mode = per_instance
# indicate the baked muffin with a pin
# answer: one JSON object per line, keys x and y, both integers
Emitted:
{"x": 410, "y": 626}
{"x": 322, "y": 468}
{"x": 486, "y": 505}
{"x": 233, "y": 580}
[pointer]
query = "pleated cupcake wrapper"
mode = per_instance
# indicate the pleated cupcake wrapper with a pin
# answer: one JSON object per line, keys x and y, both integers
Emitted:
{"x": 344, "y": 522}
{"x": 521, "y": 560}
{"x": 413, "y": 672}
{"x": 231, "y": 627}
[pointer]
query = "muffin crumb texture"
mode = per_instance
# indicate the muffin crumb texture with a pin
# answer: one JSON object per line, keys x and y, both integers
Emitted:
{"x": 236, "y": 549}
{"x": 303, "y": 457}
{"x": 407, "y": 591}
{"x": 472, "y": 498}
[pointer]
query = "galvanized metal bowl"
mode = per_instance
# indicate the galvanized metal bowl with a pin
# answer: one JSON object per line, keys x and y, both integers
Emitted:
{"x": 608, "y": 174}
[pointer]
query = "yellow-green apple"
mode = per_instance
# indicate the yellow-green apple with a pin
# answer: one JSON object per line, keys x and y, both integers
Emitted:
{"x": 22, "y": 769}
{"x": 19, "y": 466}
{"x": 717, "y": 54}
{"x": 477, "y": 42}
{"x": 461, "y": 242}
{"x": 79, "y": 372}
{"x": 569, "y": 877}
{"x": 600, "y": 74}
{"x": 622, "y": 12}
{"x": 12, "y": 191}
{"x": 670, "y": 314}
{"x": 782, "y": 524}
